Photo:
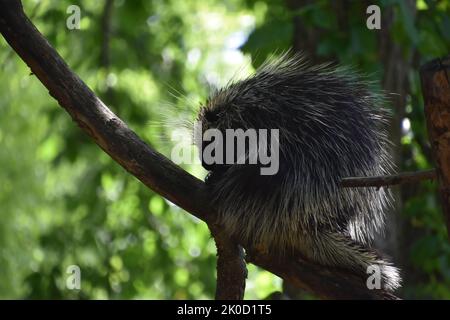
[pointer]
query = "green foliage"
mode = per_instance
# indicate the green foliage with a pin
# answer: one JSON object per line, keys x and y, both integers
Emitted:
{"x": 64, "y": 201}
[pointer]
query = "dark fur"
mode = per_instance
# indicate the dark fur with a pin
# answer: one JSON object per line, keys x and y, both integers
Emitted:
{"x": 331, "y": 126}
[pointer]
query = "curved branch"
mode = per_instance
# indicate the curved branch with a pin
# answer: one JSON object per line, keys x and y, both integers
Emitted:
{"x": 329, "y": 283}
{"x": 153, "y": 169}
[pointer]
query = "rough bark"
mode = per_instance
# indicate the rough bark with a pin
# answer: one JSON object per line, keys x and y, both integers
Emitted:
{"x": 436, "y": 93}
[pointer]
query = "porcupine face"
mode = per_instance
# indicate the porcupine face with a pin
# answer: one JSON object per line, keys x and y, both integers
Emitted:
{"x": 223, "y": 116}
{"x": 330, "y": 127}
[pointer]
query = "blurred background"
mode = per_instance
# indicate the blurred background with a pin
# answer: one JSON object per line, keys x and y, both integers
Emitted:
{"x": 64, "y": 202}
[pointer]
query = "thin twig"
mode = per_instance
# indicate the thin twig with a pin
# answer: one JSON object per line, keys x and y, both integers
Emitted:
{"x": 382, "y": 181}
{"x": 434, "y": 77}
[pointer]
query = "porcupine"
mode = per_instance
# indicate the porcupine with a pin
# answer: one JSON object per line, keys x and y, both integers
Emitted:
{"x": 331, "y": 126}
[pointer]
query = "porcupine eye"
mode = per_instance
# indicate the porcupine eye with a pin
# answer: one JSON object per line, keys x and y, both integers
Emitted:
{"x": 211, "y": 116}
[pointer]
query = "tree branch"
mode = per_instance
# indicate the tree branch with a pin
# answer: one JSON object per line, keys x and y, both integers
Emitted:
{"x": 153, "y": 169}
{"x": 317, "y": 279}
{"x": 434, "y": 76}
{"x": 381, "y": 181}
{"x": 231, "y": 268}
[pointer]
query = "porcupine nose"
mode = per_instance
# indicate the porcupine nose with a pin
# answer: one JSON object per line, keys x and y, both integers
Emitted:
{"x": 211, "y": 164}
{"x": 211, "y": 116}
